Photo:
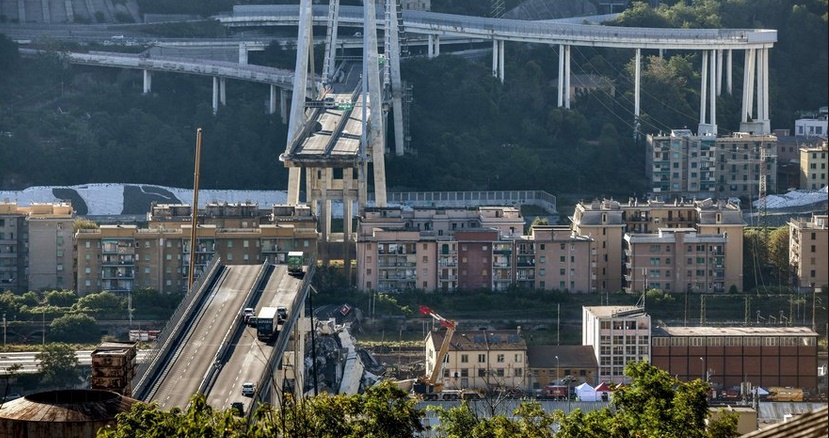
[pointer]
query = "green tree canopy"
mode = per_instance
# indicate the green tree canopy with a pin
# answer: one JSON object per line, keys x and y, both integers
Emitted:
{"x": 655, "y": 404}
{"x": 74, "y": 327}
{"x": 382, "y": 411}
{"x": 61, "y": 298}
{"x": 59, "y": 365}
{"x": 102, "y": 302}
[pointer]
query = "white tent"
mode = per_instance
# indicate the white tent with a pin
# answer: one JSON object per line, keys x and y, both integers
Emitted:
{"x": 585, "y": 392}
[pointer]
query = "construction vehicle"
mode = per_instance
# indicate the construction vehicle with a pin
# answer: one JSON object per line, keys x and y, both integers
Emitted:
{"x": 780, "y": 394}
{"x": 428, "y": 387}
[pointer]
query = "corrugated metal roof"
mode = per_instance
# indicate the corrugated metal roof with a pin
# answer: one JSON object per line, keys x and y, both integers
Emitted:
{"x": 66, "y": 406}
{"x": 813, "y": 424}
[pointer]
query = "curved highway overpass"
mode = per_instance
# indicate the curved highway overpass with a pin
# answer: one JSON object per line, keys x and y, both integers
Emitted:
{"x": 544, "y": 32}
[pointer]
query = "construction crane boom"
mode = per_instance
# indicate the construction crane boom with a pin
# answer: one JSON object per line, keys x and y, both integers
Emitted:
{"x": 444, "y": 346}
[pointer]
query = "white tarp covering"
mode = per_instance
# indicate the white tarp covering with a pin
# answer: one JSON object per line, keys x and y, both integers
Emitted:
{"x": 794, "y": 198}
{"x": 585, "y": 392}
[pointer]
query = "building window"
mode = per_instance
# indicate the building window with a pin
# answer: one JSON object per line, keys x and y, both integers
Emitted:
{"x": 499, "y": 358}
{"x": 464, "y": 358}
{"x": 481, "y": 358}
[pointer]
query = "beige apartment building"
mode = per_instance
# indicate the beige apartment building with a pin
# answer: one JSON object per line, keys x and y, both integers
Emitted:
{"x": 683, "y": 164}
{"x": 808, "y": 249}
{"x": 602, "y": 222}
{"x": 617, "y": 335}
{"x": 125, "y": 257}
{"x": 813, "y": 172}
{"x": 445, "y": 249}
{"x": 36, "y": 247}
{"x": 607, "y": 222}
{"x": 480, "y": 359}
{"x": 432, "y": 248}
{"x": 564, "y": 260}
{"x": 674, "y": 260}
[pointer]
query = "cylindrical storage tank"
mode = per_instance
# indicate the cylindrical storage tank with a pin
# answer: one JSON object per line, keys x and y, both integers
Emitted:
{"x": 62, "y": 413}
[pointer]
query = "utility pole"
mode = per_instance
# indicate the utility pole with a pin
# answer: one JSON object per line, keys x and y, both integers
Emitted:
{"x": 195, "y": 214}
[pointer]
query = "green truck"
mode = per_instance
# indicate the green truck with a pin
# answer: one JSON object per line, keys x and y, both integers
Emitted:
{"x": 295, "y": 261}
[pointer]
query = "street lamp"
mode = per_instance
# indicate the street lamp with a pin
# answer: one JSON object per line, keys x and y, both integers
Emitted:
{"x": 557, "y": 372}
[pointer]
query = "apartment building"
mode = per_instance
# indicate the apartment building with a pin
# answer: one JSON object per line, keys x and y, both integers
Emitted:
{"x": 607, "y": 222}
{"x": 564, "y": 260}
{"x": 36, "y": 247}
{"x": 617, "y": 335}
{"x": 675, "y": 259}
{"x": 813, "y": 127}
{"x": 602, "y": 222}
{"x": 808, "y": 242}
{"x": 444, "y": 249}
{"x": 683, "y": 164}
{"x": 813, "y": 172}
{"x": 480, "y": 359}
{"x": 728, "y": 356}
{"x": 400, "y": 248}
{"x": 125, "y": 257}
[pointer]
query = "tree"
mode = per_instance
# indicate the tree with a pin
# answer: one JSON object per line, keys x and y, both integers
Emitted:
{"x": 382, "y": 411}
{"x": 59, "y": 365}
{"x": 146, "y": 420}
{"x": 778, "y": 252}
{"x": 74, "y": 327}
{"x": 61, "y": 298}
{"x": 655, "y": 404}
{"x": 102, "y": 302}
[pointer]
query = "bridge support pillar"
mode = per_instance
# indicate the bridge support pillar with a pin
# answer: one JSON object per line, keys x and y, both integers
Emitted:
{"x": 434, "y": 46}
{"x": 708, "y": 87}
{"x": 564, "y": 76}
{"x": 636, "y": 88}
{"x": 283, "y": 106}
{"x": 215, "y": 94}
{"x": 756, "y": 67}
{"x": 243, "y": 53}
{"x": 728, "y": 60}
{"x": 719, "y": 72}
{"x": 498, "y": 59}
{"x": 222, "y": 91}
{"x": 148, "y": 81}
{"x": 272, "y": 100}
